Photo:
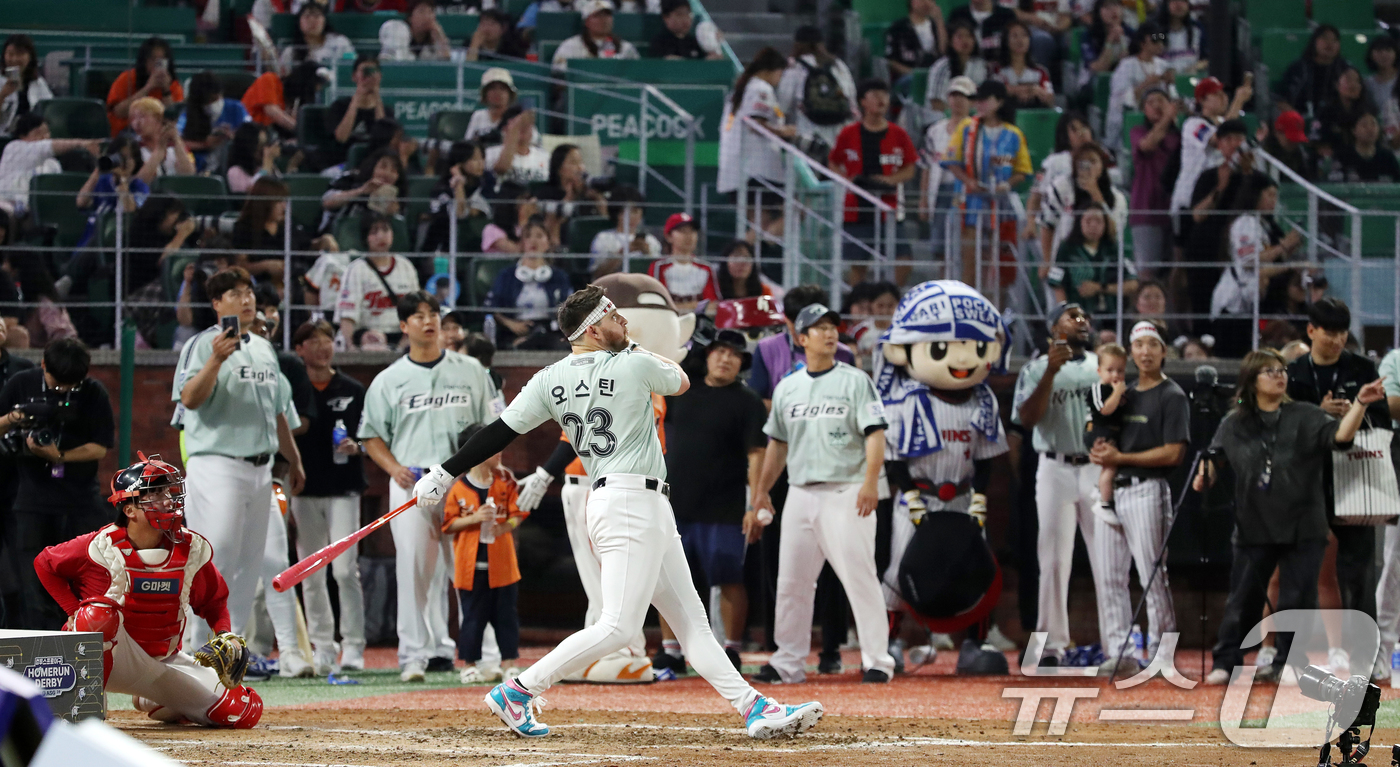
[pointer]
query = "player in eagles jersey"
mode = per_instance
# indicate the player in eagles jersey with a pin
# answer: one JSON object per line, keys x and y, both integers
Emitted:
{"x": 601, "y": 395}
{"x": 414, "y": 410}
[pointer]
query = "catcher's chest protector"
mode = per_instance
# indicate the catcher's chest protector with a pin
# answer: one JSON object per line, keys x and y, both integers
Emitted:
{"x": 153, "y": 597}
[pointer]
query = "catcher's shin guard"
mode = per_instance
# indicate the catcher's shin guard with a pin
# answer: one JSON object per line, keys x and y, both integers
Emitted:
{"x": 239, "y": 708}
{"x": 103, "y": 616}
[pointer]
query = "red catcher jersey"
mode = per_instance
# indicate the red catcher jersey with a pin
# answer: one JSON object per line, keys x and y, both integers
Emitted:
{"x": 153, "y": 597}
{"x": 896, "y": 151}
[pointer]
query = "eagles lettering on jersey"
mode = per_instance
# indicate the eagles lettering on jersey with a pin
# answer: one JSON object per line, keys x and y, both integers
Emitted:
{"x": 416, "y": 403}
{"x": 804, "y": 411}
{"x": 250, "y": 373}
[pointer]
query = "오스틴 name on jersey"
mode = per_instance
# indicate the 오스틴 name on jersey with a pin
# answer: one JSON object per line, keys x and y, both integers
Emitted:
{"x": 606, "y": 388}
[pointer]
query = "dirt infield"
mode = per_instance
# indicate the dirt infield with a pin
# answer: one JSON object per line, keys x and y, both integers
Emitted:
{"x": 301, "y": 738}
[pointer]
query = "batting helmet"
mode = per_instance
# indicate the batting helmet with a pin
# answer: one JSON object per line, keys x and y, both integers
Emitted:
{"x": 949, "y": 576}
{"x": 158, "y": 489}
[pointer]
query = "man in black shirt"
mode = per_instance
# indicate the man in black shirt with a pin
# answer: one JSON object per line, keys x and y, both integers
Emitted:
{"x": 1330, "y": 376}
{"x": 328, "y": 508}
{"x": 677, "y": 40}
{"x": 714, "y": 434}
{"x": 350, "y": 117}
{"x": 57, "y": 496}
{"x": 9, "y": 366}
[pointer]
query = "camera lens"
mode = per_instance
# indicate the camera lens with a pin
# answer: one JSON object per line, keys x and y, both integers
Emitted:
{"x": 1318, "y": 683}
{"x": 104, "y": 164}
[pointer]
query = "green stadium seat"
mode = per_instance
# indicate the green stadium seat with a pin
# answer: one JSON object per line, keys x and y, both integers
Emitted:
{"x": 1131, "y": 120}
{"x": 1355, "y": 41}
{"x": 582, "y": 229}
{"x": 1265, "y": 15}
{"x": 236, "y": 82}
{"x": 172, "y": 273}
{"x": 202, "y": 195}
{"x": 1280, "y": 47}
{"x": 880, "y": 11}
{"x": 654, "y": 71}
{"x": 1343, "y": 14}
{"x": 449, "y": 125}
{"x": 84, "y": 16}
{"x": 1038, "y": 125}
{"x": 558, "y": 26}
{"x": 306, "y": 212}
{"x": 638, "y": 28}
{"x": 1076, "y": 37}
{"x": 94, "y": 83}
{"x": 356, "y": 155}
{"x": 348, "y": 237}
{"x": 416, "y": 209}
{"x": 918, "y": 85}
{"x": 75, "y": 118}
{"x": 311, "y": 128}
{"x": 53, "y": 201}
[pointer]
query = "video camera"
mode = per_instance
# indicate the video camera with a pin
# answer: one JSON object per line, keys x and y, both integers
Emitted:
{"x": 44, "y": 419}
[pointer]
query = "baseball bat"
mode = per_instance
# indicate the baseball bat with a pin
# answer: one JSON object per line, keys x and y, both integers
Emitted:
{"x": 303, "y": 569}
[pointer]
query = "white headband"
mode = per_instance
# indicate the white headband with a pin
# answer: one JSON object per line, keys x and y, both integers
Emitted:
{"x": 1145, "y": 329}
{"x": 599, "y": 312}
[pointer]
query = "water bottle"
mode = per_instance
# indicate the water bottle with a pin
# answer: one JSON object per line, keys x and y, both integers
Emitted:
{"x": 1394, "y": 665}
{"x": 488, "y": 527}
{"x": 338, "y": 435}
{"x": 1139, "y": 643}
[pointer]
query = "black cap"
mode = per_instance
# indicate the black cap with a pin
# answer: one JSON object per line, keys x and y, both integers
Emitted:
{"x": 735, "y": 340}
{"x": 991, "y": 88}
{"x": 1058, "y": 311}
{"x": 813, "y": 314}
{"x": 1232, "y": 127}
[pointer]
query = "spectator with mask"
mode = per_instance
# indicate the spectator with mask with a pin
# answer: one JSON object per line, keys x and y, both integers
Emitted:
{"x": 208, "y": 120}
{"x": 1280, "y": 449}
{"x": 1309, "y": 82}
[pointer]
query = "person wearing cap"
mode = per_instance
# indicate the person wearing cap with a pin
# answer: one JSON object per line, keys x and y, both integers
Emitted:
{"x": 881, "y": 171}
{"x": 350, "y": 117}
{"x": 494, "y": 38}
{"x": 989, "y": 158}
{"x": 1156, "y": 431}
{"x": 915, "y": 41}
{"x": 1154, "y": 143}
{"x": 827, "y": 426}
{"x": 417, "y": 37}
{"x": 715, "y": 445}
{"x": 1280, "y": 449}
{"x": 1364, "y": 159}
{"x": 689, "y": 279}
{"x": 961, "y": 60}
{"x": 498, "y": 93}
{"x": 596, "y": 41}
{"x": 1132, "y": 77}
{"x": 1051, "y": 399}
{"x": 936, "y": 184}
{"x": 1288, "y": 143}
{"x": 824, "y": 120}
{"x": 678, "y": 41}
{"x": 1199, "y": 149}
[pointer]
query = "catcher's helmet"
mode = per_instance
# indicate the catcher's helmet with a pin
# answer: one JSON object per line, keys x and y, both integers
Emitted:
{"x": 144, "y": 482}
{"x": 949, "y": 576}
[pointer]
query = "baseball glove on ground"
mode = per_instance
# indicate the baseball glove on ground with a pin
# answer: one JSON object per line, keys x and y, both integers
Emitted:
{"x": 228, "y": 655}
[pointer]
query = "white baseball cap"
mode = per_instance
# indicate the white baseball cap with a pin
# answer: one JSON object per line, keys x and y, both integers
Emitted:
{"x": 590, "y": 7}
{"x": 497, "y": 75}
{"x": 964, "y": 85}
{"x": 1146, "y": 329}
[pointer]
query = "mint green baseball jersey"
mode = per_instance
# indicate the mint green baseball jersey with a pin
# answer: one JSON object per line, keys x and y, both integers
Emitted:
{"x": 1061, "y": 429}
{"x": 239, "y": 419}
{"x": 418, "y": 410}
{"x": 824, "y": 419}
{"x": 602, "y": 401}
{"x": 1390, "y": 370}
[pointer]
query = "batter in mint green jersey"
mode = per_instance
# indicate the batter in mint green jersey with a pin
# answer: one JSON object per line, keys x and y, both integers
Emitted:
{"x": 824, "y": 419}
{"x": 603, "y": 402}
{"x": 418, "y": 410}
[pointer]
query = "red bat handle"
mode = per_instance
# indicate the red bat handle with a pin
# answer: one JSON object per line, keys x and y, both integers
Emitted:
{"x": 303, "y": 569}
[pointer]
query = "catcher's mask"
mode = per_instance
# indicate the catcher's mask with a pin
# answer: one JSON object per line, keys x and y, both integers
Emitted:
{"x": 949, "y": 576}
{"x": 158, "y": 489}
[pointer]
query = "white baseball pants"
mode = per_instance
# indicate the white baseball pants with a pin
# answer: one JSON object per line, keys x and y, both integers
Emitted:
{"x": 1145, "y": 510}
{"x": 574, "y": 497}
{"x": 1064, "y": 499}
{"x": 177, "y": 683}
{"x": 1388, "y": 594}
{"x": 281, "y": 606}
{"x": 820, "y": 525}
{"x": 321, "y": 520}
{"x": 227, "y": 502}
{"x": 422, "y": 565}
{"x": 633, "y": 530}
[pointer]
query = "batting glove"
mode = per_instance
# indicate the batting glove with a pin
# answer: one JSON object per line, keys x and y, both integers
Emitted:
{"x": 978, "y": 509}
{"x": 532, "y": 489}
{"x": 432, "y": 488}
{"x": 915, "y": 502}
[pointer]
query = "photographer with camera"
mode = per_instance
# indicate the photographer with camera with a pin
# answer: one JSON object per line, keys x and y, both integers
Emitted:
{"x": 58, "y": 424}
{"x": 1280, "y": 450}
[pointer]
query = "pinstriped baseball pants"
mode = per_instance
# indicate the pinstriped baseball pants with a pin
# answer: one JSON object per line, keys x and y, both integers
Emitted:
{"x": 1145, "y": 511}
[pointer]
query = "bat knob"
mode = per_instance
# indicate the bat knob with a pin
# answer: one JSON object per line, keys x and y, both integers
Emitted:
{"x": 279, "y": 585}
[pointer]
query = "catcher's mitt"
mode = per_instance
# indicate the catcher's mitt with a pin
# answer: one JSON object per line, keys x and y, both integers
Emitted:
{"x": 228, "y": 655}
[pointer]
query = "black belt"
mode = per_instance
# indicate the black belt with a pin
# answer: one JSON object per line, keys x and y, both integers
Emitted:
{"x": 1121, "y": 480}
{"x": 945, "y": 491}
{"x": 1072, "y": 460}
{"x": 257, "y": 460}
{"x": 651, "y": 483}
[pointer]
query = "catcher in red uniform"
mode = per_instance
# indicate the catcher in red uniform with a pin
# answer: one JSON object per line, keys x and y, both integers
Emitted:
{"x": 131, "y": 581}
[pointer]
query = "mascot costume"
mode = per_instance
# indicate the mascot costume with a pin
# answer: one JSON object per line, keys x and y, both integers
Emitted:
{"x": 944, "y": 430}
{"x": 654, "y": 322}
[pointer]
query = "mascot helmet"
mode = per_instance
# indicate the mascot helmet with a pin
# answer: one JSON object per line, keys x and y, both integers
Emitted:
{"x": 652, "y": 318}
